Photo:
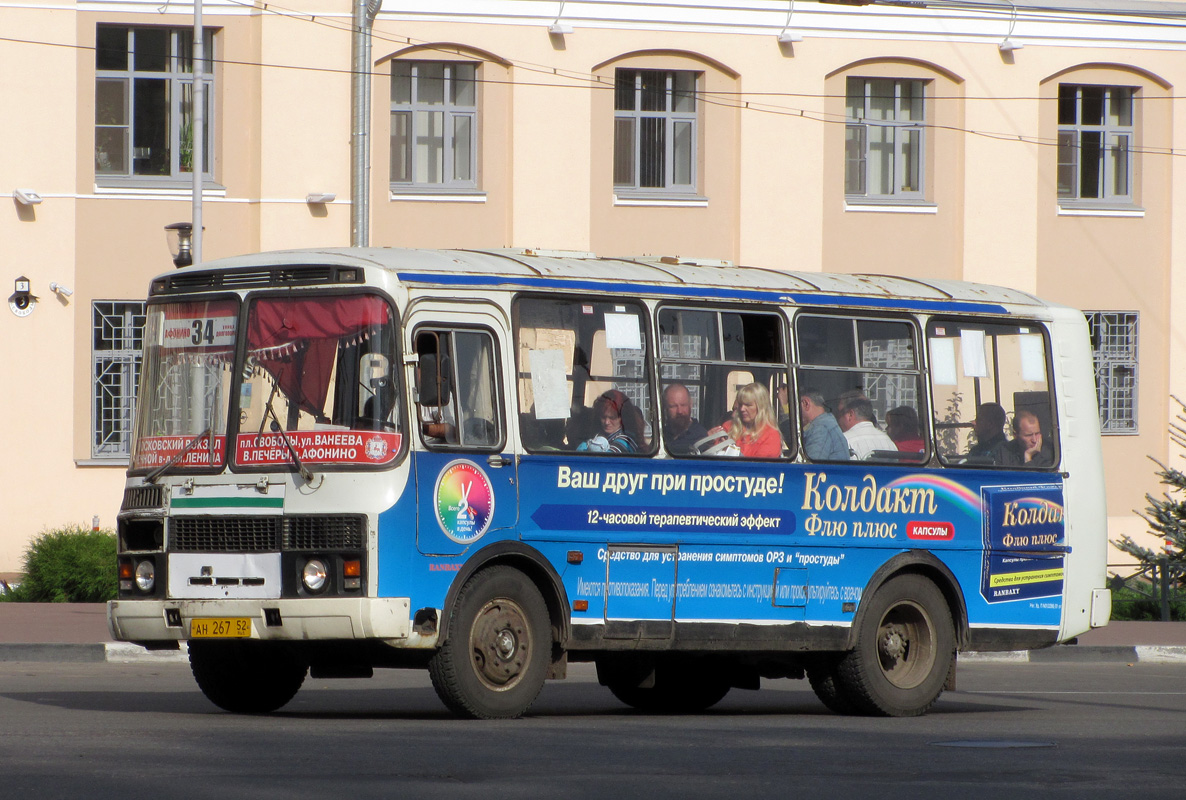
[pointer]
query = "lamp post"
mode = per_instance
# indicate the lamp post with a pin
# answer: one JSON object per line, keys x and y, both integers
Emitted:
{"x": 180, "y": 236}
{"x": 199, "y": 145}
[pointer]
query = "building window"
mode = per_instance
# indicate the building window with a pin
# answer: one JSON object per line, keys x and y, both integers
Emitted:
{"x": 1095, "y": 141}
{"x": 1114, "y": 351}
{"x": 655, "y": 136}
{"x": 117, "y": 336}
{"x": 144, "y": 103}
{"x": 884, "y": 139}
{"x": 434, "y": 124}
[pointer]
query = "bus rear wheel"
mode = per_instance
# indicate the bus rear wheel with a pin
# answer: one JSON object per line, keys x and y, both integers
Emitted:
{"x": 494, "y": 659}
{"x": 676, "y": 690}
{"x": 248, "y": 676}
{"x": 825, "y": 682}
{"x": 904, "y": 651}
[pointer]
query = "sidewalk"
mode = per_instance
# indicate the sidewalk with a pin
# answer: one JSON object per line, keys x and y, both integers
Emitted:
{"x": 78, "y": 632}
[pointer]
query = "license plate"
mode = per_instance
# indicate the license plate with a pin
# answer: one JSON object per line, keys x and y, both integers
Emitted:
{"x": 220, "y": 628}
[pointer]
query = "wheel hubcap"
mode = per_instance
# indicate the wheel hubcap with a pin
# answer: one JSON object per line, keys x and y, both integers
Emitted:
{"x": 906, "y": 645}
{"x": 500, "y": 643}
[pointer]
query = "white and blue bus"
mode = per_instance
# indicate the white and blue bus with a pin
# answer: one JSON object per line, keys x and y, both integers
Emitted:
{"x": 693, "y": 475}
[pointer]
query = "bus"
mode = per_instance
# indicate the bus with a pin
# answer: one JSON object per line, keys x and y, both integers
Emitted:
{"x": 490, "y": 464}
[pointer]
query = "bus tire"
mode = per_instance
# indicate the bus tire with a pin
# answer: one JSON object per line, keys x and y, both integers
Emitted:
{"x": 825, "y": 682}
{"x": 246, "y": 677}
{"x": 904, "y": 650}
{"x": 676, "y": 691}
{"x": 493, "y": 662}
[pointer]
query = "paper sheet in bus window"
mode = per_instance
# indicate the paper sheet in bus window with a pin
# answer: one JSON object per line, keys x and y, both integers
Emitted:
{"x": 549, "y": 384}
{"x": 622, "y": 332}
{"x": 972, "y": 350}
{"x": 1033, "y": 359}
{"x": 943, "y": 362}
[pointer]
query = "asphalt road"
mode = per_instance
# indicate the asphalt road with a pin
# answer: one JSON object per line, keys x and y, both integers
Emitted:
{"x": 1010, "y": 730}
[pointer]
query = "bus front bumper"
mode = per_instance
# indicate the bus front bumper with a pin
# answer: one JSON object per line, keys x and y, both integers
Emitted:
{"x": 149, "y": 621}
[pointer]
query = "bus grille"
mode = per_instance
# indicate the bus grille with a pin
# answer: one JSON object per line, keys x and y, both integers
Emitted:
{"x": 224, "y": 534}
{"x": 324, "y": 533}
{"x": 143, "y": 497}
{"x": 266, "y": 534}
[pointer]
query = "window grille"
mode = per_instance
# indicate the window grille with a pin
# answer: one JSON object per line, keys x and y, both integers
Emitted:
{"x": 1114, "y": 340}
{"x": 117, "y": 337}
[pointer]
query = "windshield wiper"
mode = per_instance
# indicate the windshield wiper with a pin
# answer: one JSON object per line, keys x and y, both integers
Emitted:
{"x": 305, "y": 472}
{"x": 153, "y": 476}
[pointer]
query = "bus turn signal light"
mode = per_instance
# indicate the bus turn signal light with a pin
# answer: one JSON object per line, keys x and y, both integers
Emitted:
{"x": 352, "y": 574}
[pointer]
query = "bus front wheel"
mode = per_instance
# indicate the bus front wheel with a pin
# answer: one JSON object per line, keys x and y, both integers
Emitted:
{"x": 247, "y": 676}
{"x": 904, "y": 650}
{"x": 495, "y": 657}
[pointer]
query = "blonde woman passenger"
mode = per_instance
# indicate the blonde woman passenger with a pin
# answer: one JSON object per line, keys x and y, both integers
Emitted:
{"x": 753, "y": 426}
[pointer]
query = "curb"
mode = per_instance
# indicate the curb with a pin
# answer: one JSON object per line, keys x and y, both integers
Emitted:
{"x": 1078, "y": 654}
{"x": 98, "y": 652}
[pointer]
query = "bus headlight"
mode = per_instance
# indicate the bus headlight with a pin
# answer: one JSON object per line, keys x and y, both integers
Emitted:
{"x": 145, "y": 576}
{"x": 314, "y": 574}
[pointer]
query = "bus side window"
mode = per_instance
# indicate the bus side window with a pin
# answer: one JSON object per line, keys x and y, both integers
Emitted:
{"x": 456, "y": 389}
{"x": 991, "y": 385}
{"x": 866, "y": 373}
{"x": 584, "y": 376}
{"x": 709, "y": 358}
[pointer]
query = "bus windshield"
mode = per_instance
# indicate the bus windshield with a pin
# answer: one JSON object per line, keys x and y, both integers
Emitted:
{"x": 189, "y": 353}
{"x": 319, "y": 383}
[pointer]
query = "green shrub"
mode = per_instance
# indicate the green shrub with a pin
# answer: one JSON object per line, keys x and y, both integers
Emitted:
{"x": 68, "y": 565}
{"x": 1132, "y": 605}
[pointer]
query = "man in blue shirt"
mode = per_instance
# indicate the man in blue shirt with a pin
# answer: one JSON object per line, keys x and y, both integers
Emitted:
{"x": 822, "y": 438}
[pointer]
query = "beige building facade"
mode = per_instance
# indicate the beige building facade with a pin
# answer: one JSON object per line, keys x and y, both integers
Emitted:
{"x": 982, "y": 141}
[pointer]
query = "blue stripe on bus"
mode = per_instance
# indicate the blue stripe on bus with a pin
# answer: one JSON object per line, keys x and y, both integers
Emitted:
{"x": 798, "y": 298}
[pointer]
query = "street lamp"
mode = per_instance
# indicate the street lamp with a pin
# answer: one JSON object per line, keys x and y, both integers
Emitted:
{"x": 181, "y": 239}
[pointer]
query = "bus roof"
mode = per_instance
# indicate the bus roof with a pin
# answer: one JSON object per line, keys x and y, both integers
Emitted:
{"x": 666, "y": 275}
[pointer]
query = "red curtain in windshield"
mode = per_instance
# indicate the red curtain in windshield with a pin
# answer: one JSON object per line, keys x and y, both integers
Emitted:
{"x": 296, "y": 340}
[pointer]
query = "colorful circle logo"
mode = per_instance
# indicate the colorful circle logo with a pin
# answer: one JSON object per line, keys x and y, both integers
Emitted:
{"x": 465, "y": 501}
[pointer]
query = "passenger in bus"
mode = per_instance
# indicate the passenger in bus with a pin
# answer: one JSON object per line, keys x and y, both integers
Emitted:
{"x": 822, "y": 438}
{"x": 901, "y": 424}
{"x": 855, "y": 415}
{"x": 610, "y": 410}
{"x": 991, "y": 445}
{"x": 680, "y": 428}
{"x": 752, "y": 425}
{"x": 1027, "y": 448}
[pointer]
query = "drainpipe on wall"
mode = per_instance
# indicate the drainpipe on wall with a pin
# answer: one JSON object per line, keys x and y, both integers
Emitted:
{"x": 365, "y": 12}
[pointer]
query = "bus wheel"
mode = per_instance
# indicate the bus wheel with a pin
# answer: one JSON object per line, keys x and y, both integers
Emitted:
{"x": 495, "y": 657}
{"x": 904, "y": 650}
{"x": 675, "y": 692}
{"x": 825, "y": 682}
{"x": 246, "y": 677}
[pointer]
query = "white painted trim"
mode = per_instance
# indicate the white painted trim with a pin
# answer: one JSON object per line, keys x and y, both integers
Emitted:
{"x": 1135, "y": 213}
{"x": 661, "y": 202}
{"x": 890, "y": 208}
{"x": 148, "y": 192}
{"x": 435, "y": 197}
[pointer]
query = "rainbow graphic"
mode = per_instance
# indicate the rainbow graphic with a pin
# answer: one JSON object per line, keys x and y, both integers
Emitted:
{"x": 464, "y": 501}
{"x": 958, "y": 495}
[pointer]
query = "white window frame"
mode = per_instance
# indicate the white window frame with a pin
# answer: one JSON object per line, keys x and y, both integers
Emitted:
{"x": 679, "y": 116}
{"x": 908, "y": 162}
{"x": 115, "y": 373}
{"x": 405, "y": 173}
{"x": 1115, "y": 337}
{"x": 1112, "y": 165}
{"x": 178, "y": 76}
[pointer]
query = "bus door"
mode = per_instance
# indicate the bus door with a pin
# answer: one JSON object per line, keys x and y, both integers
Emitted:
{"x": 465, "y": 468}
